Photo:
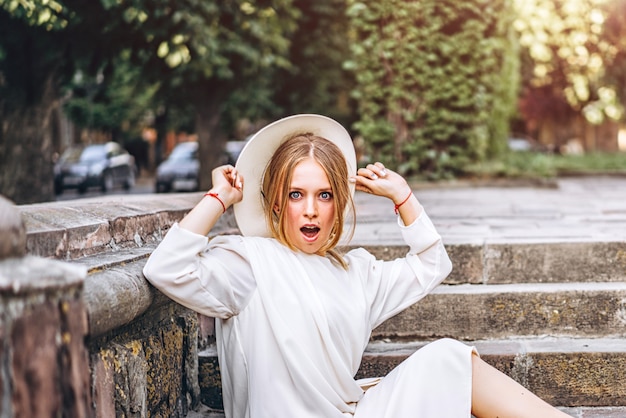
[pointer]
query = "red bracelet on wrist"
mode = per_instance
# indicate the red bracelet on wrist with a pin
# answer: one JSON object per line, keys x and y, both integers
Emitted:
{"x": 215, "y": 195}
{"x": 397, "y": 207}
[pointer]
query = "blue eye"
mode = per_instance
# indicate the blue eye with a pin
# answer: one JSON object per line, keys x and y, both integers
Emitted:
{"x": 326, "y": 195}
{"x": 295, "y": 195}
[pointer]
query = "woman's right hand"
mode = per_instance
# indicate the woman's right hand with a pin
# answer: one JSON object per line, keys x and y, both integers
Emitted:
{"x": 226, "y": 191}
{"x": 228, "y": 184}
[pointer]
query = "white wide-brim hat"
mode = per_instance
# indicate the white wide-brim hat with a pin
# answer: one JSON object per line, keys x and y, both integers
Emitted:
{"x": 257, "y": 153}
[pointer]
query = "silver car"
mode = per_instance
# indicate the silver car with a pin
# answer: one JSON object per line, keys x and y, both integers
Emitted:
{"x": 179, "y": 172}
{"x": 100, "y": 165}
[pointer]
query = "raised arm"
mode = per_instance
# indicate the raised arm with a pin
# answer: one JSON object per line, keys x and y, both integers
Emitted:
{"x": 380, "y": 181}
{"x": 216, "y": 282}
{"x": 226, "y": 191}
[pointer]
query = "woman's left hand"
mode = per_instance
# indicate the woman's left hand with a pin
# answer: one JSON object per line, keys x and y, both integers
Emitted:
{"x": 378, "y": 180}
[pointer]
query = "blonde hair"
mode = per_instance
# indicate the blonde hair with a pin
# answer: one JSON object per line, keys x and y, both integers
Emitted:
{"x": 277, "y": 179}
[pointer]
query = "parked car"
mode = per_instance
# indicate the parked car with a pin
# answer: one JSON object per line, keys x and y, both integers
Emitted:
{"x": 179, "y": 172}
{"x": 233, "y": 149}
{"x": 100, "y": 165}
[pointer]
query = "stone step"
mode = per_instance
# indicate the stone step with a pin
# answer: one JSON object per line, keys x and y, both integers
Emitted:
{"x": 563, "y": 371}
{"x": 509, "y": 261}
{"x": 472, "y": 312}
{"x": 583, "y": 376}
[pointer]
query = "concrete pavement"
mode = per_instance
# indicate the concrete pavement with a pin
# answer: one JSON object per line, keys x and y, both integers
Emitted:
{"x": 573, "y": 209}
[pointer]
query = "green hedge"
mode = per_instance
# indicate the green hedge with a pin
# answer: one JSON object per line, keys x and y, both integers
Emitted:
{"x": 436, "y": 81}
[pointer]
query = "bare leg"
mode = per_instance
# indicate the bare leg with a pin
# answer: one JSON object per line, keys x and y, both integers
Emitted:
{"x": 494, "y": 394}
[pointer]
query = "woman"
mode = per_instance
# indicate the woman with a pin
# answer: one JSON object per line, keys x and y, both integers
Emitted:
{"x": 294, "y": 316}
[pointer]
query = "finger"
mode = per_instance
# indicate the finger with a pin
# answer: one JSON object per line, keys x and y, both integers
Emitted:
{"x": 378, "y": 169}
{"x": 364, "y": 183}
{"x": 382, "y": 172}
{"x": 238, "y": 182}
{"x": 220, "y": 175}
{"x": 368, "y": 172}
{"x": 232, "y": 176}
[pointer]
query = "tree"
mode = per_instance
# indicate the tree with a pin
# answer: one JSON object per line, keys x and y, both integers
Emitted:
{"x": 199, "y": 52}
{"x": 436, "y": 81}
{"x": 614, "y": 34}
{"x": 115, "y": 101}
{"x": 205, "y": 55}
{"x": 43, "y": 45}
{"x": 569, "y": 47}
{"x": 316, "y": 81}
{"x": 32, "y": 66}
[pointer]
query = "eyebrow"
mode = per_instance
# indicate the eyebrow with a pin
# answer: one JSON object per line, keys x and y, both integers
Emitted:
{"x": 298, "y": 189}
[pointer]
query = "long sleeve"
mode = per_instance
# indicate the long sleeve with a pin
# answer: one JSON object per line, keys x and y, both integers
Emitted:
{"x": 392, "y": 286}
{"x": 213, "y": 278}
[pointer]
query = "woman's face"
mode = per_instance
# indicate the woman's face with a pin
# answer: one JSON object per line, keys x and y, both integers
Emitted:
{"x": 310, "y": 210}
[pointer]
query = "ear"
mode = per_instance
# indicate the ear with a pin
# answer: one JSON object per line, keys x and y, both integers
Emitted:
{"x": 276, "y": 209}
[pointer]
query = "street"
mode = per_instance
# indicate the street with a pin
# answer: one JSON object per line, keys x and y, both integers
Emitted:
{"x": 143, "y": 185}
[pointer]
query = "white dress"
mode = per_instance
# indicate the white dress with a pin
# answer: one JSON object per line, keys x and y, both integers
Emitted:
{"x": 291, "y": 328}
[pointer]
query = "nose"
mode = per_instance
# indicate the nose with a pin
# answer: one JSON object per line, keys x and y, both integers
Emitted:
{"x": 310, "y": 209}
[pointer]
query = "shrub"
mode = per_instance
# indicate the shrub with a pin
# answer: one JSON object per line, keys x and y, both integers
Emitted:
{"x": 436, "y": 81}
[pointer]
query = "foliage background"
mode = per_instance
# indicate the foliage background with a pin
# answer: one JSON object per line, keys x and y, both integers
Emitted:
{"x": 436, "y": 81}
{"x": 428, "y": 87}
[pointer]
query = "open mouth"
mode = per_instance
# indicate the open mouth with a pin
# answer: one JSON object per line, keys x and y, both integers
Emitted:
{"x": 310, "y": 231}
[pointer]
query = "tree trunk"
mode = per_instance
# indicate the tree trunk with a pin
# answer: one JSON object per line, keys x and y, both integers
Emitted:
{"x": 160, "y": 124}
{"x": 211, "y": 141}
{"x": 26, "y": 149}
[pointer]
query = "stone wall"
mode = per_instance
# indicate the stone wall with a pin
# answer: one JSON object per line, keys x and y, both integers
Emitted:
{"x": 43, "y": 361}
{"x": 83, "y": 334}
